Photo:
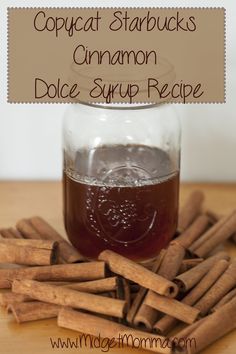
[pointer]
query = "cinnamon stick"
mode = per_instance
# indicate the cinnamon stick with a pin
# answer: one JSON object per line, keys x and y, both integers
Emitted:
{"x": 189, "y": 263}
{"x": 194, "y": 231}
{"x": 137, "y": 273}
{"x": 10, "y": 233}
{"x": 94, "y": 286}
{"x": 146, "y": 316}
{"x": 221, "y": 235}
{"x": 140, "y": 314}
{"x": 206, "y": 282}
{"x": 41, "y": 244}
{"x": 37, "y": 228}
{"x": 221, "y": 287}
{"x": 46, "y": 231}
{"x": 125, "y": 292}
{"x": 225, "y": 299}
{"x": 209, "y": 233}
{"x": 190, "y": 278}
{"x": 175, "y": 308}
{"x": 9, "y": 297}
{"x": 135, "y": 305}
{"x": 167, "y": 322}
{"x": 67, "y": 297}
{"x": 172, "y": 261}
{"x": 168, "y": 269}
{"x": 214, "y": 327}
{"x": 33, "y": 311}
{"x": 214, "y": 217}
{"x": 104, "y": 328}
{"x": 28, "y": 252}
{"x": 185, "y": 333}
{"x": 190, "y": 210}
{"x": 60, "y": 272}
{"x": 135, "y": 314}
{"x": 24, "y": 227}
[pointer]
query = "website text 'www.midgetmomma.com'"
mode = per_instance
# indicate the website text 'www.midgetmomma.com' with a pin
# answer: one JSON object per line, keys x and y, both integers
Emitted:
{"x": 105, "y": 344}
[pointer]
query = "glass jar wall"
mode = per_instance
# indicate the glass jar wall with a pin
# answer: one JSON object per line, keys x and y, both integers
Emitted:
{"x": 121, "y": 178}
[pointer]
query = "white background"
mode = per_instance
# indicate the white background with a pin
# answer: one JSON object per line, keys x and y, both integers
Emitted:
{"x": 30, "y": 135}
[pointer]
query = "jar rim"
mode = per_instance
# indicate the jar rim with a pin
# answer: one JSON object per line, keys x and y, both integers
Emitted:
{"x": 121, "y": 106}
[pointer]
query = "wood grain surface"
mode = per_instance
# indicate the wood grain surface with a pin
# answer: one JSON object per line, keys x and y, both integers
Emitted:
{"x": 25, "y": 199}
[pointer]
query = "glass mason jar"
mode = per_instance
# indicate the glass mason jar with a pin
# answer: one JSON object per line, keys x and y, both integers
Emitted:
{"x": 121, "y": 178}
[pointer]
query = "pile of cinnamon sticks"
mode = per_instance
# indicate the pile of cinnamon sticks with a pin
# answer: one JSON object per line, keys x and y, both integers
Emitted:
{"x": 188, "y": 291}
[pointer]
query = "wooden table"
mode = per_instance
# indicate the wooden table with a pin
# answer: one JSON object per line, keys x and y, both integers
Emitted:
{"x": 25, "y": 199}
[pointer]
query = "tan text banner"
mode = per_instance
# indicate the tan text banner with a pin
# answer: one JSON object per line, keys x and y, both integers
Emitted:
{"x": 116, "y": 55}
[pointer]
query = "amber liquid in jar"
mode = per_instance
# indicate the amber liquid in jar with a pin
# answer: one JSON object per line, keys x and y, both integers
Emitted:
{"x": 123, "y": 198}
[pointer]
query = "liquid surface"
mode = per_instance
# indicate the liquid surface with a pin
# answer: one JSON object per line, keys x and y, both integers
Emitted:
{"x": 124, "y": 198}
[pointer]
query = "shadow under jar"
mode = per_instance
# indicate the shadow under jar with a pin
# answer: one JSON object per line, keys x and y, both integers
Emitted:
{"x": 121, "y": 178}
